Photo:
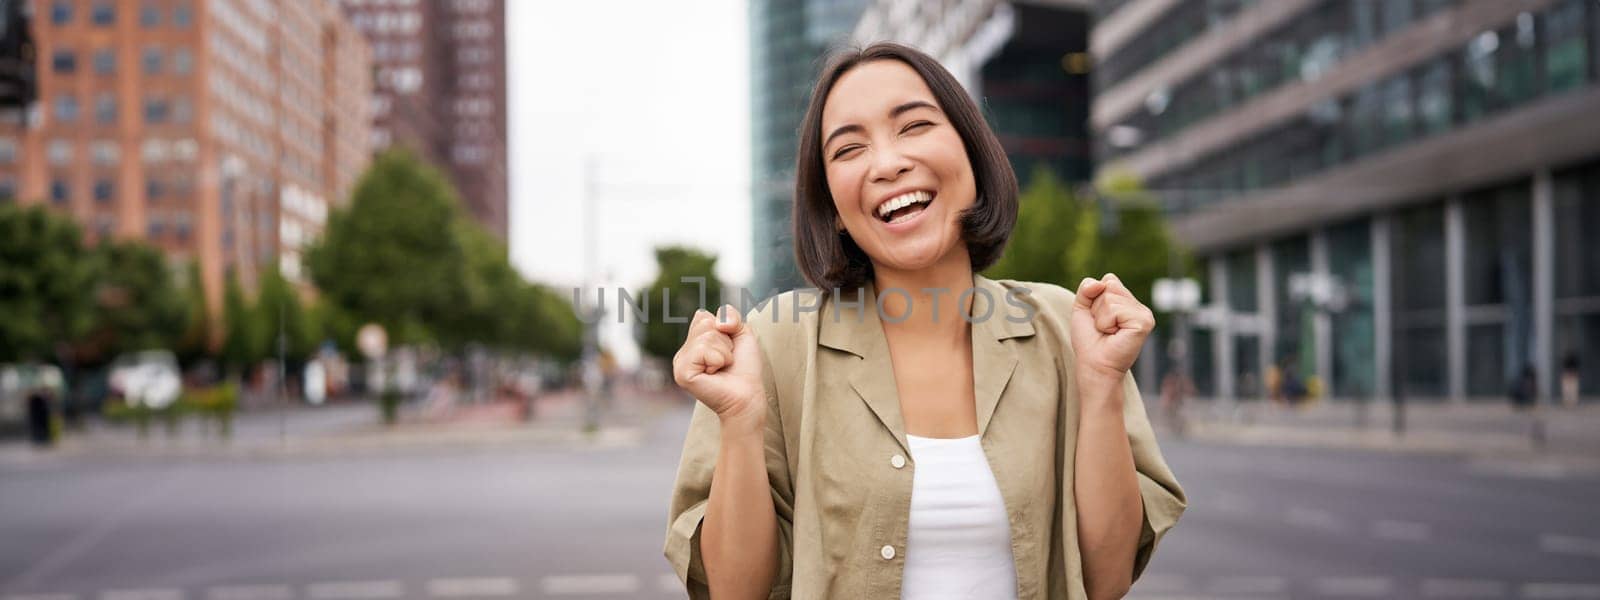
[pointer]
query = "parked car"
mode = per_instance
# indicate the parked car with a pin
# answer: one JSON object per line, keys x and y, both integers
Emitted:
{"x": 150, "y": 379}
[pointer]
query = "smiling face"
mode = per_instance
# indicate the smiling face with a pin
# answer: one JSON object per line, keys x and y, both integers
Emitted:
{"x": 896, "y": 167}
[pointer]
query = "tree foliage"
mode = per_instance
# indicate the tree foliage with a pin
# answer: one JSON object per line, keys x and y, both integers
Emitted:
{"x": 661, "y": 338}
{"x": 1062, "y": 237}
{"x": 42, "y": 299}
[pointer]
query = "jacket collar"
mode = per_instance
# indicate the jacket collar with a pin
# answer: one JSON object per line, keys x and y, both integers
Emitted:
{"x": 854, "y": 327}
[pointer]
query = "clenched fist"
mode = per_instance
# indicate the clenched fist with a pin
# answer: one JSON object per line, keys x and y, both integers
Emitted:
{"x": 1108, "y": 326}
{"x": 720, "y": 365}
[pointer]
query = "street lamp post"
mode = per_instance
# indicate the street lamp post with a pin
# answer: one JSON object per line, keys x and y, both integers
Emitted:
{"x": 1180, "y": 297}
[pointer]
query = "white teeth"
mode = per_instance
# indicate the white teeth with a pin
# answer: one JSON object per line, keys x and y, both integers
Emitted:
{"x": 902, "y": 201}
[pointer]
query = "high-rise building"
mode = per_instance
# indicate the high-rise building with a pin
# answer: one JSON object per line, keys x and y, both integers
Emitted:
{"x": 441, "y": 91}
{"x": 1388, "y": 195}
{"x": 787, "y": 39}
{"x": 1025, "y": 62}
{"x": 218, "y": 130}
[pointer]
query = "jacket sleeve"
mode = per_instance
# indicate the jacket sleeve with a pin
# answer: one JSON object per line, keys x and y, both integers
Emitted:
{"x": 1164, "y": 500}
{"x": 693, "y": 487}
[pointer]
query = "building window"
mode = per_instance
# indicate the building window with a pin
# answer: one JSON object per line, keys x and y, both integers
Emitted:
{"x": 59, "y": 193}
{"x": 61, "y": 12}
{"x": 64, "y": 62}
{"x": 59, "y": 152}
{"x": 181, "y": 223}
{"x": 8, "y": 190}
{"x": 182, "y": 110}
{"x": 105, "y": 61}
{"x": 105, "y": 152}
{"x": 103, "y": 13}
{"x": 103, "y": 190}
{"x": 66, "y": 108}
{"x": 105, "y": 108}
{"x": 153, "y": 189}
{"x": 8, "y": 151}
{"x": 150, "y": 16}
{"x": 182, "y": 61}
{"x": 156, "y": 110}
{"x": 151, "y": 59}
{"x": 1566, "y": 55}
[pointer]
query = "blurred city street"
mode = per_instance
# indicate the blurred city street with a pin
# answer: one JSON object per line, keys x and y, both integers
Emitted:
{"x": 486, "y": 509}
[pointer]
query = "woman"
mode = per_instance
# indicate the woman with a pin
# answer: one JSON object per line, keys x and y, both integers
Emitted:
{"x": 864, "y": 445}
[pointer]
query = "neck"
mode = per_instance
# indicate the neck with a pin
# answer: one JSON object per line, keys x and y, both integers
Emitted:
{"x": 917, "y": 295}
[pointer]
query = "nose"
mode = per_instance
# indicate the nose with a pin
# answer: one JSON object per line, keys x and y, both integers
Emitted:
{"x": 888, "y": 164}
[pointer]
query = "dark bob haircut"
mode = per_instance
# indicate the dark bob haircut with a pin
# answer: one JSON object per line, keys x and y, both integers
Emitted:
{"x": 830, "y": 259}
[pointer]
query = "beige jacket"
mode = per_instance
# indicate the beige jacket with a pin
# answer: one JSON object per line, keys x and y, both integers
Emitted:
{"x": 835, "y": 437}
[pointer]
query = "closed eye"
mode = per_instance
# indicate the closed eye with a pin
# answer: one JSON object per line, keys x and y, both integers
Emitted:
{"x": 842, "y": 151}
{"x": 916, "y": 125}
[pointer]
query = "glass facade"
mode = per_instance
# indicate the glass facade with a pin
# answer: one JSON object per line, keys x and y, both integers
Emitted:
{"x": 1353, "y": 329}
{"x": 787, "y": 38}
{"x": 1294, "y": 345}
{"x": 1241, "y": 267}
{"x": 1459, "y": 258}
{"x": 1037, "y": 106}
{"x": 1498, "y": 284}
{"x": 1418, "y": 288}
{"x": 1187, "y": 21}
{"x": 1576, "y": 200}
{"x": 1538, "y": 55}
{"x": 1303, "y": 49}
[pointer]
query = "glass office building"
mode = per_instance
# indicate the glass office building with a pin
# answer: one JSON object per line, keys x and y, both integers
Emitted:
{"x": 1389, "y": 195}
{"x": 788, "y": 39}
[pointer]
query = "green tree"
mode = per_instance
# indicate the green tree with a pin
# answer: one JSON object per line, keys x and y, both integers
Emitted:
{"x": 278, "y": 311}
{"x": 552, "y": 325}
{"x": 391, "y": 256}
{"x": 241, "y": 341}
{"x": 1061, "y": 238}
{"x": 194, "y": 344}
{"x": 1042, "y": 246}
{"x": 138, "y": 306}
{"x": 674, "y": 263}
{"x": 46, "y": 270}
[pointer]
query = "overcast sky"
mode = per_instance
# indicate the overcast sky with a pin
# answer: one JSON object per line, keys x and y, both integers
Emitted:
{"x": 656, "y": 94}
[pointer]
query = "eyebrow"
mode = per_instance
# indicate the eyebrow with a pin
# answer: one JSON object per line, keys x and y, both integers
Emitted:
{"x": 893, "y": 112}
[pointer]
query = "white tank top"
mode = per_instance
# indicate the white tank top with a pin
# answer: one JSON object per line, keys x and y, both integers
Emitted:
{"x": 959, "y": 540}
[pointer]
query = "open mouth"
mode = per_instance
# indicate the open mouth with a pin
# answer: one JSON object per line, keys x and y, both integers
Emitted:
{"x": 904, "y": 207}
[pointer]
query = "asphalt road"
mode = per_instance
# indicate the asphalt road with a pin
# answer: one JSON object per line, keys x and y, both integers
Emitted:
{"x": 558, "y": 521}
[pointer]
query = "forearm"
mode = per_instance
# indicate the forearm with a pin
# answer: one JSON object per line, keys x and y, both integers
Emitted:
{"x": 739, "y": 538}
{"x": 1106, "y": 487}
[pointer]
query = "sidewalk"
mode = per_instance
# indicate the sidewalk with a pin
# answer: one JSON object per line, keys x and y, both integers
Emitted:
{"x": 353, "y": 428}
{"x": 1570, "y": 435}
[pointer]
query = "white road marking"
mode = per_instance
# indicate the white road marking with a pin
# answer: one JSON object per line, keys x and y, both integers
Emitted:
{"x": 476, "y": 587}
{"x": 1567, "y": 544}
{"x": 43, "y": 597}
{"x": 250, "y": 592}
{"x": 1313, "y": 518}
{"x": 1464, "y": 588}
{"x": 1565, "y": 591}
{"x": 1408, "y": 531}
{"x": 354, "y": 590}
{"x": 1228, "y": 586}
{"x": 590, "y": 584}
{"x": 143, "y": 594}
{"x": 1353, "y": 586}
